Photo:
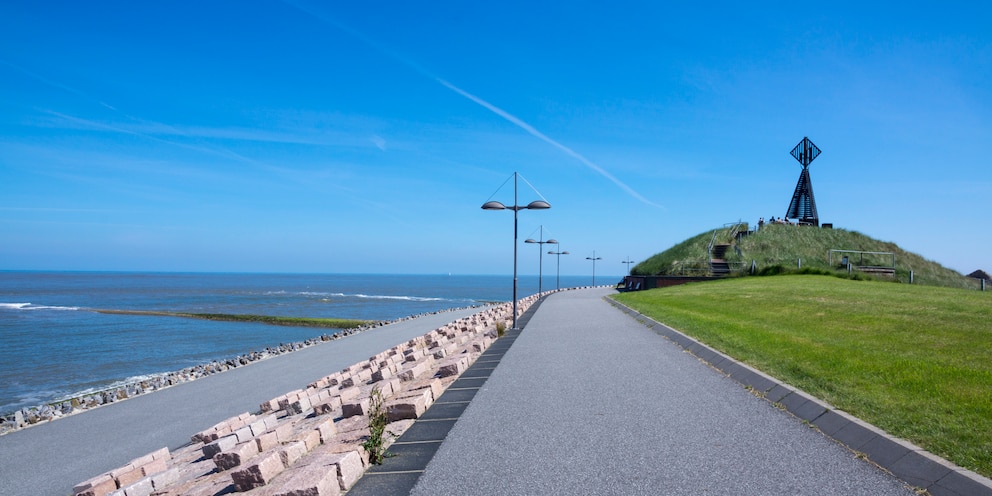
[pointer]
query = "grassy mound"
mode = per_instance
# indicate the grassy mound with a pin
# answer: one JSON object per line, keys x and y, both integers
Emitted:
{"x": 779, "y": 248}
{"x": 913, "y": 360}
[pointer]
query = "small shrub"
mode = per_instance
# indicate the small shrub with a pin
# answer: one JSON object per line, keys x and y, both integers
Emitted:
{"x": 375, "y": 445}
{"x": 500, "y": 329}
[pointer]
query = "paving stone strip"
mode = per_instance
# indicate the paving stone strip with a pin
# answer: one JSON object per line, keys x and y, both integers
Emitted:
{"x": 309, "y": 441}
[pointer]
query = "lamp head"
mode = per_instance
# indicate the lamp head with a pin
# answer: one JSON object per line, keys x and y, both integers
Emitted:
{"x": 493, "y": 205}
{"x": 538, "y": 205}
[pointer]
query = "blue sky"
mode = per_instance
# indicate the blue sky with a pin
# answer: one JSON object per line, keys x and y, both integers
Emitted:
{"x": 307, "y": 136}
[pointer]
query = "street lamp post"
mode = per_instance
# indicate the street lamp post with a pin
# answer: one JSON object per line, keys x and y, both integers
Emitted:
{"x": 594, "y": 258}
{"x": 628, "y": 262}
{"x": 534, "y": 205}
{"x": 558, "y": 272}
{"x": 540, "y": 257}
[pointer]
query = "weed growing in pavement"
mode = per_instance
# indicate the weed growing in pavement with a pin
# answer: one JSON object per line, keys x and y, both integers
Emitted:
{"x": 375, "y": 445}
{"x": 500, "y": 329}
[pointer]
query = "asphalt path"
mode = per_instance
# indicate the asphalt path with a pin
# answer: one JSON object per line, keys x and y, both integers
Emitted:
{"x": 51, "y": 458}
{"x": 589, "y": 401}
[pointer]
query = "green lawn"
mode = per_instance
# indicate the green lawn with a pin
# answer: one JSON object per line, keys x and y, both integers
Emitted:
{"x": 915, "y": 361}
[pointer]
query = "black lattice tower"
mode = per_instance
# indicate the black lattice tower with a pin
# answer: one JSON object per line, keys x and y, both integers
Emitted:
{"x": 803, "y": 205}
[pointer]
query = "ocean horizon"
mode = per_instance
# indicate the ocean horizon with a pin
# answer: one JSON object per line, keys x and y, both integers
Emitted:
{"x": 55, "y": 345}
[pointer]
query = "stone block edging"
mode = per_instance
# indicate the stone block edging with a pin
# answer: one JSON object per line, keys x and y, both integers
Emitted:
{"x": 904, "y": 460}
{"x": 309, "y": 440}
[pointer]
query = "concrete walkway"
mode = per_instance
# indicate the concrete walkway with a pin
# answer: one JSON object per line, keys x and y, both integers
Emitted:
{"x": 50, "y": 458}
{"x": 589, "y": 401}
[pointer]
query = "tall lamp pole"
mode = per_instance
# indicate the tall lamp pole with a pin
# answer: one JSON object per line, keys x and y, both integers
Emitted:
{"x": 628, "y": 262}
{"x": 534, "y": 205}
{"x": 594, "y": 258}
{"x": 558, "y": 272}
{"x": 540, "y": 257}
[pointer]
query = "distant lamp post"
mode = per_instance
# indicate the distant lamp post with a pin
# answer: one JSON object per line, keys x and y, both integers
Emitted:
{"x": 540, "y": 258}
{"x": 594, "y": 258}
{"x": 534, "y": 205}
{"x": 558, "y": 272}
{"x": 628, "y": 262}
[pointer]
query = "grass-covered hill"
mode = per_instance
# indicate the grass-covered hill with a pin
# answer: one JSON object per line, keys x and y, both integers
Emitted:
{"x": 776, "y": 248}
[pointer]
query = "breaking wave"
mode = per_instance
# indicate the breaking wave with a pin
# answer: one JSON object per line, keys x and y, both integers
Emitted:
{"x": 29, "y": 306}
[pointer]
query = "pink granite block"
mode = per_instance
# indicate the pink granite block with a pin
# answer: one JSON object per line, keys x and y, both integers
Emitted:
{"x": 100, "y": 485}
{"x": 328, "y": 406}
{"x": 353, "y": 408}
{"x": 310, "y": 438}
{"x": 386, "y": 387}
{"x": 154, "y": 467}
{"x": 453, "y": 367}
{"x": 364, "y": 375}
{"x": 267, "y": 441}
{"x": 414, "y": 355}
{"x": 311, "y": 480}
{"x": 413, "y": 372}
{"x": 409, "y": 407}
{"x": 258, "y": 472}
{"x": 126, "y": 475}
{"x": 271, "y": 422}
{"x": 269, "y": 406}
{"x": 163, "y": 479}
{"x": 226, "y": 460}
{"x": 320, "y": 396}
{"x": 141, "y": 487}
{"x": 383, "y": 373}
{"x": 290, "y": 453}
{"x": 257, "y": 427}
{"x": 327, "y": 431}
{"x": 141, "y": 460}
{"x": 302, "y": 404}
{"x": 244, "y": 434}
{"x": 347, "y": 394}
{"x": 349, "y": 466}
{"x": 225, "y": 443}
{"x": 161, "y": 453}
{"x": 284, "y": 432}
{"x": 394, "y": 385}
{"x": 437, "y": 388}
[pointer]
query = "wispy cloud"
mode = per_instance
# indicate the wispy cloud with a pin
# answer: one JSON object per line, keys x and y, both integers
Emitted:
{"x": 485, "y": 104}
{"x": 116, "y": 128}
{"x": 543, "y": 137}
{"x": 56, "y": 84}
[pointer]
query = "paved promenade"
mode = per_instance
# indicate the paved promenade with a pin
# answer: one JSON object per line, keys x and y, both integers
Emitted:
{"x": 50, "y": 458}
{"x": 589, "y": 401}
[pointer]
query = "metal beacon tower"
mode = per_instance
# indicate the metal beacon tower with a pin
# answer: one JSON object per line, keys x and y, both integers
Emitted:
{"x": 803, "y": 205}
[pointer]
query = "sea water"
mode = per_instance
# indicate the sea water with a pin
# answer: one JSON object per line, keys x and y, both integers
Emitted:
{"x": 54, "y": 345}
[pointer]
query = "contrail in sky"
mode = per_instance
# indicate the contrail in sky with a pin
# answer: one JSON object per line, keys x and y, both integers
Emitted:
{"x": 543, "y": 137}
{"x": 492, "y": 108}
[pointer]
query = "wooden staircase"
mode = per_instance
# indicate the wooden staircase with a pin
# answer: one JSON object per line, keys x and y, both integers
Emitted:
{"x": 718, "y": 265}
